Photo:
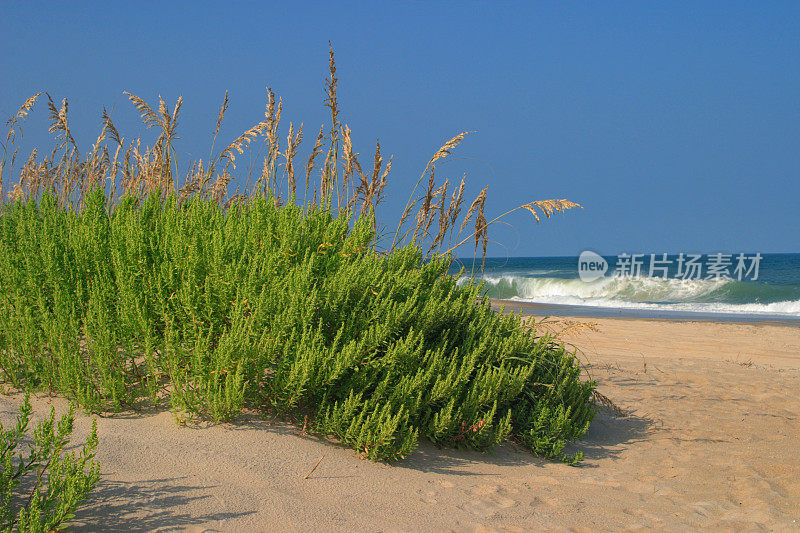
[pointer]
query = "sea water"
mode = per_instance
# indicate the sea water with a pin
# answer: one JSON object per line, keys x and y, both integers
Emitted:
{"x": 769, "y": 292}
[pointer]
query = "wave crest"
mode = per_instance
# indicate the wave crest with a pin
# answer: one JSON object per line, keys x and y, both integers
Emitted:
{"x": 720, "y": 296}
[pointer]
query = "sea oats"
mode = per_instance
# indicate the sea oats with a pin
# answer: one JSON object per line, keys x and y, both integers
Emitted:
{"x": 424, "y": 210}
{"x": 20, "y": 115}
{"x": 315, "y": 151}
{"x": 455, "y": 204}
{"x": 548, "y": 207}
{"x": 292, "y": 144}
{"x": 149, "y": 117}
{"x": 479, "y": 200}
{"x": 330, "y": 93}
{"x": 241, "y": 142}
{"x": 111, "y": 129}
{"x": 220, "y": 187}
{"x": 223, "y": 108}
{"x": 349, "y": 158}
{"x": 447, "y": 148}
{"x": 59, "y": 124}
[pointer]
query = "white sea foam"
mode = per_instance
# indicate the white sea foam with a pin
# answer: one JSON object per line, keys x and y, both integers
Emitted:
{"x": 707, "y": 296}
{"x": 788, "y": 308}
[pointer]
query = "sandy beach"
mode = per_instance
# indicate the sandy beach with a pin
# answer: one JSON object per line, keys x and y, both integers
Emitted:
{"x": 709, "y": 441}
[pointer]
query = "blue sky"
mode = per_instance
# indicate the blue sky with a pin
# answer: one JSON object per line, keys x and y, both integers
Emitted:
{"x": 676, "y": 124}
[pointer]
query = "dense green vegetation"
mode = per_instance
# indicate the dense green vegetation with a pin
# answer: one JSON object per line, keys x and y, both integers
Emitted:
{"x": 55, "y": 482}
{"x": 120, "y": 287}
{"x": 272, "y": 307}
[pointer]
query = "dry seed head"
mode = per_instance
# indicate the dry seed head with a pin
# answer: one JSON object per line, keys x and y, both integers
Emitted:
{"x": 383, "y": 181}
{"x": 330, "y": 92}
{"x": 115, "y": 163}
{"x": 15, "y": 193}
{"x": 270, "y": 128}
{"x": 272, "y": 115}
{"x": 242, "y": 142}
{"x": 100, "y": 138}
{"x": 173, "y": 123}
{"x": 407, "y": 212}
{"x": 387, "y": 170}
{"x": 426, "y": 201}
{"x": 448, "y": 147}
{"x": 148, "y": 116}
{"x": 194, "y": 180}
{"x": 349, "y": 156}
{"x": 56, "y": 115}
{"x": 370, "y": 189}
{"x": 444, "y": 217}
{"x": 269, "y": 113}
{"x": 221, "y": 114}
{"x": 162, "y": 110}
{"x": 220, "y": 187}
{"x": 435, "y": 208}
{"x": 25, "y": 108}
{"x": 111, "y": 129}
{"x": 376, "y": 169}
{"x": 315, "y": 151}
{"x": 292, "y": 144}
{"x": 20, "y": 115}
{"x": 548, "y": 207}
{"x": 479, "y": 201}
{"x": 425, "y": 209}
{"x": 30, "y": 164}
{"x": 481, "y": 231}
{"x": 455, "y": 203}
{"x": 59, "y": 123}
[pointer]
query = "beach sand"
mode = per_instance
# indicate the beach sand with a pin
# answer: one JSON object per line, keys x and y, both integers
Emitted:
{"x": 711, "y": 441}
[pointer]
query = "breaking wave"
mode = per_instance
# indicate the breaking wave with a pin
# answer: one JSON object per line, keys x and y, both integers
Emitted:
{"x": 711, "y": 296}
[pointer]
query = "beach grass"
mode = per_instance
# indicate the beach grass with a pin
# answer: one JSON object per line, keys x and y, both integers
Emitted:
{"x": 122, "y": 285}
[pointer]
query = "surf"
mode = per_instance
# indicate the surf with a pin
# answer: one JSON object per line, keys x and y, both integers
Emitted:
{"x": 722, "y": 295}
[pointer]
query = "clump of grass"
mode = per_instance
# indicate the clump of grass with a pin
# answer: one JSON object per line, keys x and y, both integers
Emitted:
{"x": 55, "y": 482}
{"x": 120, "y": 286}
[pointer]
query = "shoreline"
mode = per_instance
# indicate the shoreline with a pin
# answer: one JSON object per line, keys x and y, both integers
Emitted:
{"x": 612, "y": 339}
{"x": 587, "y": 311}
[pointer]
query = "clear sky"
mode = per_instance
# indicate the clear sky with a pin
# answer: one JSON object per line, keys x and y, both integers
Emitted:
{"x": 676, "y": 124}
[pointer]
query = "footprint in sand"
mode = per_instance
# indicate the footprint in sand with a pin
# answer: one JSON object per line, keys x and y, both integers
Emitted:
{"x": 549, "y": 480}
{"x": 492, "y": 499}
{"x": 588, "y": 480}
{"x": 427, "y": 496}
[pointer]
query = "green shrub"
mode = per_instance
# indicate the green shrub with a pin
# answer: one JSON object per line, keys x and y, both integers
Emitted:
{"x": 58, "y": 481}
{"x": 162, "y": 292}
{"x": 272, "y": 307}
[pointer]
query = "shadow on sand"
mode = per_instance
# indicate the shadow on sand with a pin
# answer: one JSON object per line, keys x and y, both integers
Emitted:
{"x": 608, "y": 436}
{"x": 145, "y": 506}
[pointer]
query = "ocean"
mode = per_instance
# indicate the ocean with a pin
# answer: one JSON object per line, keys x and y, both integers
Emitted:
{"x": 737, "y": 287}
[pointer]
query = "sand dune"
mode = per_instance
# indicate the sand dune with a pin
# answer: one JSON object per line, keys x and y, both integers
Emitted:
{"x": 710, "y": 442}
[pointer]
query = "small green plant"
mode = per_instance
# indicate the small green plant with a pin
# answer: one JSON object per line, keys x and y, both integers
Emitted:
{"x": 55, "y": 481}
